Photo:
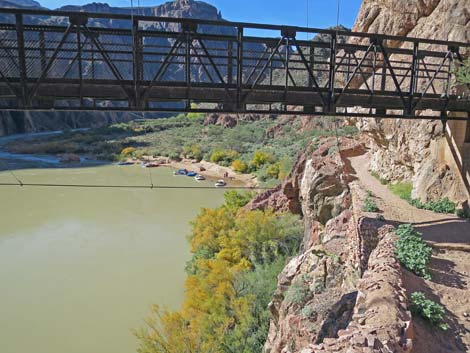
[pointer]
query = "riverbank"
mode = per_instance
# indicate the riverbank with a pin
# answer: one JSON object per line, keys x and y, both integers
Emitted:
{"x": 208, "y": 169}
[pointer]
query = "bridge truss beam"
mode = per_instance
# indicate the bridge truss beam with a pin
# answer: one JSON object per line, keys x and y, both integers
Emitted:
{"x": 138, "y": 63}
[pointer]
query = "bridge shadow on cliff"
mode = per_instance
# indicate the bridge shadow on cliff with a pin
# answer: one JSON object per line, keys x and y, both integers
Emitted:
{"x": 445, "y": 230}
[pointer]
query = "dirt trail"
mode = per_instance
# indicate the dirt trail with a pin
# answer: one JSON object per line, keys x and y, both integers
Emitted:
{"x": 450, "y": 283}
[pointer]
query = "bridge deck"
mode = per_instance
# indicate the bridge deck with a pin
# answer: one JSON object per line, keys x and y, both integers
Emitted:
{"x": 124, "y": 62}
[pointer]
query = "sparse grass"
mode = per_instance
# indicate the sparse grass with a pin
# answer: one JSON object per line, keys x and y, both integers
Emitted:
{"x": 376, "y": 175}
{"x": 402, "y": 190}
{"x": 429, "y": 310}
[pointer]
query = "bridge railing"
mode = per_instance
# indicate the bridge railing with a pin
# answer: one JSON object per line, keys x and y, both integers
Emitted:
{"x": 71, "y": 60}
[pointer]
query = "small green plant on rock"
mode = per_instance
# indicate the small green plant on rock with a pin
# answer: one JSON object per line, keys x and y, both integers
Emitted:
{"x": 369, "y": 204}
{"x": 298, "y": 292}
{"x": 428, "y": 310}
{"x": 412, "y": 252}
{"x": 462, "y": 72}
{"x": 308, "y": 312}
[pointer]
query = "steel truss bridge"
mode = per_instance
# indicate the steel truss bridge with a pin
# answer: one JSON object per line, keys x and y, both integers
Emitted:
{"x": 71, "y": 61}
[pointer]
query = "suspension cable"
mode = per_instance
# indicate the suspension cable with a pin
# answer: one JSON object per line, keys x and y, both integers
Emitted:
{"x": 307, "y": 17}
{"x": 18, "y": 180}
{"x": 150, "y": 177}
{"x": 124, "y": 186}
{"x": 336, "y": 120}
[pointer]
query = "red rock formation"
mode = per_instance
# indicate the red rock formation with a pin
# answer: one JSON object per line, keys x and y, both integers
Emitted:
{"x": 417, "y": 151}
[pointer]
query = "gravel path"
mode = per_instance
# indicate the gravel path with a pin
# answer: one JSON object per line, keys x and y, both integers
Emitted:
{"x": 450, "y": 283}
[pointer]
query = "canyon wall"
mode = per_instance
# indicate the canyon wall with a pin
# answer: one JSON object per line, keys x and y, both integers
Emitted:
{"x": 327, "y": 297}
{"x": 24, "y": 122}
{"x": 431, "y": 155}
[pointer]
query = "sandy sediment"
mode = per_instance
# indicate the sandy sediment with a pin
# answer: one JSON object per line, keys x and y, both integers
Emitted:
{"x": 207, "y": 169}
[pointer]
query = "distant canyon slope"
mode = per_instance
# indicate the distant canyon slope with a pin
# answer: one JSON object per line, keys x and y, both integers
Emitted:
{"x": 18, "y": 122}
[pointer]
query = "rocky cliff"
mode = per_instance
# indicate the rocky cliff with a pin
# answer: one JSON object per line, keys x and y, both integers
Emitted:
{"x": 344, "y": 291}
{"x": 326, "y": 298}
{"x": 422, "y": 152}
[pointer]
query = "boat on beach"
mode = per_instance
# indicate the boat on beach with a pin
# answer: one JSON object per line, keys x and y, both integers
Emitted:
{"x": 220, "y": 183}
{"x": 180, "y": 172}
{"x": 125, "y": 163}
{"x": 151, "y": 165}
{"x": 200, "y": 177}
{"x": 191, "y": 174}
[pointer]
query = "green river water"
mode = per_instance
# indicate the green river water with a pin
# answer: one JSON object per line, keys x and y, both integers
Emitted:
{"x": 80, "y": 268}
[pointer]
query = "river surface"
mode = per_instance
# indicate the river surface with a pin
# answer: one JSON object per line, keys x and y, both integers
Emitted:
{"x": 80, "y": 268}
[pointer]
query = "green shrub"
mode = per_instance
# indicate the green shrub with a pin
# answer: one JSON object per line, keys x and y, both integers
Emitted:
{"x": 402, "y": 190}
{"x": 260, "y": 158}
{"x": 193, "y": 152}
{"x": 227, "y": 156}
{"x": 235, "y": 200}
{"x": 412, "y": 252}
{"x": 462, "y": 72}
{"x": 441, "y": 206}
{"x": 273, "y": 171}
{"x": 462, "y": 213}
{"x": 298, "y": 292}
{"x": 428, "y": 310}
{"x": 308, "y": 312}
{"x": 370, "y": 205}
{"x": 174, "y": 156}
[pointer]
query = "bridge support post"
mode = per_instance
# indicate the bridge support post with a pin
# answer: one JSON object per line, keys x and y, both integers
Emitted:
{"x": 239, "y": 67}
{"x": 22, "y": 60}
{"x": 137, "y": 63}
{"x": 413, "y": 79}
{"x": 230, "y": 62}
{"x": 331, "y": 78}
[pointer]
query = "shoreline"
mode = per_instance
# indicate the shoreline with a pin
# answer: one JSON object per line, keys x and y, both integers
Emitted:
{"x": 208, "y": 169}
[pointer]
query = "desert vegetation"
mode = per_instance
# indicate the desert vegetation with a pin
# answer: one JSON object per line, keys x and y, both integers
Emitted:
{"x": 412, "y": 252}
{"x": 236, "y": 257}
{"x": 404, "y": 190}
{"x": 247, "y": 147}
{"x": 429, "y": 310}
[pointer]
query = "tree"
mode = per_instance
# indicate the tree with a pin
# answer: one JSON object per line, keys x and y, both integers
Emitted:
{"x": 239, "y": 166}
{"x": 260, "y": 158}
{"x": 237, "y": 255}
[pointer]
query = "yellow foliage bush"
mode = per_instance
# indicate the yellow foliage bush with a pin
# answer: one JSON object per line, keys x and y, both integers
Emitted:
{"x": 128, "y": 151}
{"x": 239, "y": 166}
{"x": 218, "y": 316}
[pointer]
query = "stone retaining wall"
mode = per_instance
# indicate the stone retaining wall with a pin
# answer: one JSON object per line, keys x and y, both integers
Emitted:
{"x": 381, "y": 321}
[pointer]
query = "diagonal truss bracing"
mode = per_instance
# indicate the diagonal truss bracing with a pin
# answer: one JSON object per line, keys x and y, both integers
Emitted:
{"x": 141, "y": 63}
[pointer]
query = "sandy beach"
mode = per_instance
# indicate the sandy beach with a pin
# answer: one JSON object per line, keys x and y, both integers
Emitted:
{"x": 207, "y": 169}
